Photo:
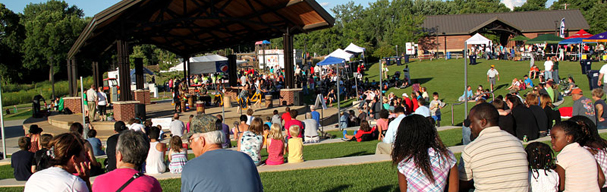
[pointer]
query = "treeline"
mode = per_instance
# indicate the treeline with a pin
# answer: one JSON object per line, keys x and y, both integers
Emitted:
{"x": 39, "y": 38}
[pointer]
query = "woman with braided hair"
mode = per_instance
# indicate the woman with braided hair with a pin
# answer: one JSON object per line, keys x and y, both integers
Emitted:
{"x": 423, "y": 161}
{"x": 542, "y": 176}
{"x": 592, "y": 141}
{"x": 68, "y": 158}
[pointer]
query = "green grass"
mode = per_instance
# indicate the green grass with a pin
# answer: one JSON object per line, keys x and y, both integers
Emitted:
{"x": 23, "y": 114}
{"x": 447, "y": 78}
{"x": 451, "y": 137}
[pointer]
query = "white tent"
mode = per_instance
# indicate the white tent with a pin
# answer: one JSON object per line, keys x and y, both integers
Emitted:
{"x": 205, "y": 64}
{"x": 340, "y": 53}
{"x": 354, "y": 48}
{"x": 478, "y": 39}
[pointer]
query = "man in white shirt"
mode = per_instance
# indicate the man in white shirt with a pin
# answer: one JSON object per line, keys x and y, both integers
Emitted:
{"x": 548, "y": 69}
{"x": 385, "y": 147}
{"x": 176, "y": 127}
{"x": 491, "y": 74}
{"x": 602, "y": 73}
{"x": 422, "y": 109}
{"x": 91, "y": 99}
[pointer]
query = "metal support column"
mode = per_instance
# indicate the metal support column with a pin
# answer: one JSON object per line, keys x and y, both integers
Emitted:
{"x": 69, "y": 77}
{"x": 74, "y": 81}
{"x": 139, "y": 73}
{"x": 289, "y": 65}
{"x": 124, "y": 70}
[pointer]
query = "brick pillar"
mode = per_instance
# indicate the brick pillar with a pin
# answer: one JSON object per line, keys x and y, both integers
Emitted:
{"x": 143, "y": 96}
{"x": 74, "y": 104}
{"x": 288, "y": 95}
{"x": 124, "y": 110}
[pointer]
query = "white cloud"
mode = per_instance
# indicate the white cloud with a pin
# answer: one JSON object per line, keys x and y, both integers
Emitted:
{"x": 324, "y": 4}
{"x": 513, "y": 3}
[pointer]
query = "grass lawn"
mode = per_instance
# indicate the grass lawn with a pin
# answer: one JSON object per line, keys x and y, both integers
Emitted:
{"x": 447, "y": 78}
{"x": 22, "y": 114}
{"x": 451, "y": 137}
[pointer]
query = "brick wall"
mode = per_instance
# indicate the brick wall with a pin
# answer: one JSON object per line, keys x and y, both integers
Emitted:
{"x": 124, "y": 110}
{"x": 288, "y": 95}
{"x": 143, "y": 96}
{"x": 74, "y": 104}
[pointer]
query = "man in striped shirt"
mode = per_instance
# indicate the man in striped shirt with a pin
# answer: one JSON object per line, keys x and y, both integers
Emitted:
{"x": 495, "y": 159}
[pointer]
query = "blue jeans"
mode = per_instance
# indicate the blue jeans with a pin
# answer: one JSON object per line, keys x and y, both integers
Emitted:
{"x": 547, "y": 75}
{"x": 555, "y": 75}
{"x": 466, "y": 134}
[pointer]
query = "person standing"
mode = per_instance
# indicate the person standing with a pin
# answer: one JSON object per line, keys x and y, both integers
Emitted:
{"x": 176, "y": 127}
{"x": 101, "y": 103}
{"x": 602, "y": 73}
{"x": 555, "y": 70}
{"x": 582, "y": 105}
{"x": 493, "y": 165}
{"x": 491, "y": 75}
{"x": 207, "y": 171}
{"x": 91, "y": 99}
{"x": 548, "y": 65}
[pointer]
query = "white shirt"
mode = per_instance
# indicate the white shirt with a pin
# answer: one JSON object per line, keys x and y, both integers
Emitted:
{"x": 137, "y": 127}
{"x": 548, "y": 65}
{"x": 604, "y": 72}
{"x": 90, "y": 95}
{"x": 249, "y": 119}
{"x": 177, "y": 128}
{"x": 102, "y": 98}
{"x": 392, "y": 128}
{"x": 55, "y": 179}
{"x": 492, "y": 72}
{"x": 423, "y": 110}
{"x": 543, "y": 180}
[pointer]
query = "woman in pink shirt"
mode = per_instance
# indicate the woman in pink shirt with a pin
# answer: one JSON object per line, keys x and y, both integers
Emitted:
{"x": 382, "y": 123}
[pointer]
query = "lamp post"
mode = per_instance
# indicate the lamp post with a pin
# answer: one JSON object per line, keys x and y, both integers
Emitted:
{"x": 445, "y": 45}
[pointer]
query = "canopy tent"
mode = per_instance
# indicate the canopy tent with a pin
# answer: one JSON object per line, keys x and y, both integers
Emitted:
{"x": 352, "y": 48}
{"x": 571, "y": 41}
{"x": 519, "y": 38}
{"x": 206, "y": 64}
{"x": 264, "y": 42}
{"x": 601, "y": 37}
{"x": 330, "y": 60}
{"x": 545, "y": 38}
{"x": 580, "y": 34}
{"x": 478, "y": 39}
{"x": 340, "y": 53}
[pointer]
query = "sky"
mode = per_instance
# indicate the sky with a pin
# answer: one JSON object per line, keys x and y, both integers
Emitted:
{"x": 93, "y": 7}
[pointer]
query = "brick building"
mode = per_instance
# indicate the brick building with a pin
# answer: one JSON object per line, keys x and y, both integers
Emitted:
{"x": 449, "y": 32}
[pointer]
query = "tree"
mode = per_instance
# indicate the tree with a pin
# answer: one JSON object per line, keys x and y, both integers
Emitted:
{"x": 11, "y": 38}
{"x": 51, "y": 29}
{"x": 597, "y": 18}
{"x": 532, "y": 5}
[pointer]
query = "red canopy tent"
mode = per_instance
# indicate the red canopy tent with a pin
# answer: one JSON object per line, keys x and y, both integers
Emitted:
{"x": 580, "y": 34}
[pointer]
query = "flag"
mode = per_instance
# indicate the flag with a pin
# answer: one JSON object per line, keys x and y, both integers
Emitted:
{"x": 562, "y": 28}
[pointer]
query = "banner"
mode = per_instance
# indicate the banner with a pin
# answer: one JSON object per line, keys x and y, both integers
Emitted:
{"x": 562, "y": 33}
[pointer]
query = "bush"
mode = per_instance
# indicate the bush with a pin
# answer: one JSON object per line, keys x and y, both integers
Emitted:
{"x": 24, "y": 93}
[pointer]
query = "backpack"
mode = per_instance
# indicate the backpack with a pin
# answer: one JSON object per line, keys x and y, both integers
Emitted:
{"x": 42, "y": 158}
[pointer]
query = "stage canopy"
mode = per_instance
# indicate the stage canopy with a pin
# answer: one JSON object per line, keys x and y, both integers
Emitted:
{"x": 352, "y": 48}
{"x": 206, "y": 64}
{"x": 478, "y": 39}
{"x": 580, "y": 34}
{"x": 340, "y": 53}
{"x": 330, "y": 60}
{"x": 545, "y": 38}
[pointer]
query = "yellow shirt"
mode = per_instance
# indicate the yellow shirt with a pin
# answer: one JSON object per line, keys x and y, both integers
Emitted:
{"x": 295, "y": 150}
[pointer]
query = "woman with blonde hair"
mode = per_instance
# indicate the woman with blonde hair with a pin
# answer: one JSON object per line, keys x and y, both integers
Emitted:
{"x": 68, "y": 159}
{"x": 276, "y": 146}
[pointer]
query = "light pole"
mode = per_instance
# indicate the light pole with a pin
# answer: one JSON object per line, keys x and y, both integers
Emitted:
{"x": 444, "y": 35}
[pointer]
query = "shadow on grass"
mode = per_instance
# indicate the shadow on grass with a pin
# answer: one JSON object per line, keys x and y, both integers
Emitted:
{"x": 384, "y": 188}
{"x": 421, "y": 80}
{"x": 339, "y": 188}
{"x": 500, "y": 86}
{"x": 357, "y": 154}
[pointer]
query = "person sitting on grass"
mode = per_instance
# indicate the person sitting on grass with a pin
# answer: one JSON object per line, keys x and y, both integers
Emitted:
{"x": 251, "y": 141}
{"x": 178, "y": 156}
{"x": 364, "y": 133}
{"x": 382, "y": 123}
{"x": 42, "y": 156}
{"x": 95, "y": 143}
{"x": 542, "y": 176}
{"x": 275, "y": 146}
{"x": 22, "y": 161}
{"x": 295, "y": 145}
{"x": 423, "y": 161}
{"x": 154, "y": 162}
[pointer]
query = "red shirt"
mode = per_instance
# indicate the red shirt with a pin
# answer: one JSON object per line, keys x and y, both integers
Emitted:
{"x": 294, "y": 122}
{"x": 415, "y": 104}
{"x": 286, "y": 117}
{"x": 409, "y": 105}
{"x": 311, "y": 70}
{"x": 360, "y": 133}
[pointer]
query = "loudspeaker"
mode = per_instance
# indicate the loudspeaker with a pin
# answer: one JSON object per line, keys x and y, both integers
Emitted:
{"x": 140, "y": 111}
{"x": 232, "y": 77}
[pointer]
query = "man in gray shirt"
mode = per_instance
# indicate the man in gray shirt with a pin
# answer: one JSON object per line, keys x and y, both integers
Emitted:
{"x": 276, "y": 119}
{"x": 582, "y": 105}
{"x": 177, "y": 128}
{"x": 310, "y": 129}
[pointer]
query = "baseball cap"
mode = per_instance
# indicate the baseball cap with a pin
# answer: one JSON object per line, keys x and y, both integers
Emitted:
{"x": 576, "y": 91}
{"x": 492, "y": 66}
{"x": 405, "y": 95}
{"x": 202, "y": 123}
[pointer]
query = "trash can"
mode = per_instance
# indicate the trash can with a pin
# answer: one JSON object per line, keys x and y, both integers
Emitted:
{"x": 586, "y": 65}
{"x": 387, "y": 61}
{"x": 406, "y": 58}
{"x": 593, "y": 79}
{"x": 448, "y": 55}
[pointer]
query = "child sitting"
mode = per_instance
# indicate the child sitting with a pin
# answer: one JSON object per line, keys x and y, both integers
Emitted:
{"x": 275, "y": 145}
{"x": 178, "y": 156}
{"x": 542, "y": 176}
{"x": 22, "y": 160}
{"x": 95, "y": 143}
{"x": 365, "y": 133}
{"x": 42, "y": 156}
{"x": 295, "y": 145}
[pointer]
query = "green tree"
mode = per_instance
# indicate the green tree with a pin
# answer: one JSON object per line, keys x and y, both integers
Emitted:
{"x": 532, "y": 5}
{"x": 11, "y": 38}
{"x": 597, "y": 18}
{"x": 51, "y": 29}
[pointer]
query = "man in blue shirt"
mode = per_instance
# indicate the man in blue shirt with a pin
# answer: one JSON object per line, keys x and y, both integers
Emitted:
{"x": 528, "y": 82}
{"x": 315, "y": 114}
{"x": 385, "y": 147}
{"x": 214, "y": 168}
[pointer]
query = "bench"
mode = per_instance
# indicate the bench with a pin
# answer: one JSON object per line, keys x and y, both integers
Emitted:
{"x": 425, "y": 57}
